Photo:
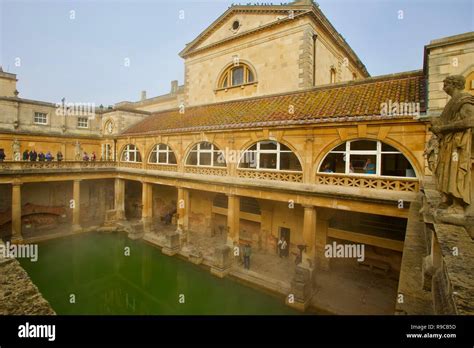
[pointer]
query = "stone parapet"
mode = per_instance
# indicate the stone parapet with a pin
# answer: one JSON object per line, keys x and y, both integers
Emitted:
{"x": 436, "y": 273}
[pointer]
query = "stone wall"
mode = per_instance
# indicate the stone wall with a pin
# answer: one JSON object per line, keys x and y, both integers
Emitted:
{"x": 452, "y": 55}
{"x": 18, "y": 294}
{"x": 282, "y": 57}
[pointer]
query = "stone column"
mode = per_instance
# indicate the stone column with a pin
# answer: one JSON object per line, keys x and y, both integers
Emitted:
{"x": 321, "y": 239}
{"x": 233, "y": 219}
{"x": 183, "y": 208}
{"x": 76, "y": 210}
{"x": 266, "y": 227}
{"x": 16, "y": 212}
{"x": 119, "y": 200}
{"x": 309, "y": 230}
{"x": 147, "y": 206}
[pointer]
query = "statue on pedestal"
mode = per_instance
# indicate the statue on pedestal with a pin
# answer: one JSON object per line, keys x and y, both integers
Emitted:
{"x": 16, "y": 150}
{"x": 454, "y": 163}
{"x": 77, "y": 151}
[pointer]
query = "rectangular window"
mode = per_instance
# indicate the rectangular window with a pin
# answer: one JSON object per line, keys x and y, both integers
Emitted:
{"x": 41, "y": 118}
{"x": 82, "y": 122}
{"x": 237, "y": 76}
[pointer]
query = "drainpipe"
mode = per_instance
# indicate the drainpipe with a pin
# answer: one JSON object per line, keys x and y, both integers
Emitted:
{"x": 115, "y": 150}
{"x": 315, "y": 36}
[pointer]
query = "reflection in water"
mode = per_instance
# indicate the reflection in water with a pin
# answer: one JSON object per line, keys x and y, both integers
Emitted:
{"x": 107, "y": 280}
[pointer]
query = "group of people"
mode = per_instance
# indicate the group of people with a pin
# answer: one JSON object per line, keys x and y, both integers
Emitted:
{"x": 283, "y": 251}
{"x": 41, "y": 156}
{"x": 34, "y": 156}
{"x": 86, "y": 157}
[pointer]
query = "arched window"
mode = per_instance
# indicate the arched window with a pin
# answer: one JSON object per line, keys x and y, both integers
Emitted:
{"x": 332, "y": 75}
{"x": 236, "y": 75}
{"x": 270, "y": 155}
{"x": 162, "y": 154}
{"x": 131, "y": 154}
{"x": 366, "y": 157}
{"x": 205, "y": 154}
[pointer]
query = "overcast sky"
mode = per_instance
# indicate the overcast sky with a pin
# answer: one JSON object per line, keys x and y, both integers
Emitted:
{"x": 80, "y": 49}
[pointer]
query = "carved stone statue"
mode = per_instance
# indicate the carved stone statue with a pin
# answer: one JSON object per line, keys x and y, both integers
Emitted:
{"x": 431, "y": 152}
{"x": 77, "y": 151}
{"x": 16, "y": 150}
{"x": 453, "y": 169}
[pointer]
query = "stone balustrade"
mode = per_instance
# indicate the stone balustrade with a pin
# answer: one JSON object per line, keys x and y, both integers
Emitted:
{"x": 217, "y": 171}
{"x": 162, "y": 167}
{"x": 270, "y": 175}
{"x": 391, "y": 184}
{"x": 330, "y": 179}
{"x": 11, "y": 166}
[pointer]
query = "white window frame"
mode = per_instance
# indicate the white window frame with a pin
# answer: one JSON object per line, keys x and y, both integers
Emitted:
{"x": 81, "y": 119}
{"x": 46, "y": 118}
{"x": 197, "y": 149}
{"x": 378, "y": 153}
{"x": 108, "y": 152}
{"x": 127, "y": 151}
{"x": 159, "y": 151}
{"x": 276, "y": 151}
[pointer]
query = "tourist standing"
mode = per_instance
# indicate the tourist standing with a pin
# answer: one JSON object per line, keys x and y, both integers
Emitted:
{"x": 369, "y": 167}
{"x": 48, "y": 156}
{"x": 59, "y": 156}
{"x": 2, "y": 155}
{"x": 41, "y": 156}
{"x": 93, "y": 156}
{"x": 85, "y": 157}
{"x": 26, "y": 155}
{"x": 33, "y": 155}
{"x": 282, "y": 245}
{"x": 247, "y": 253}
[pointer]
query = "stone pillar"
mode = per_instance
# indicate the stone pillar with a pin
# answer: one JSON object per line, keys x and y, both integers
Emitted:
{"x": 119, "y": 200}
{"x": 222, "y": 261}
{"x": 76, "y": 210}
{"x": 321, "y": 239}
{"x": 16, "y": 212}
{"x": 147, "y": 206}
{"x": 233, "y": 219}
{"x": 266, "y": 228}
{"x": 309, "y": 231}
{"x": 183, "y": 213}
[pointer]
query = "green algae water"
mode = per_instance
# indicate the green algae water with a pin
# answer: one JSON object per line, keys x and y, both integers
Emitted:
{"x": 95, "y": 269}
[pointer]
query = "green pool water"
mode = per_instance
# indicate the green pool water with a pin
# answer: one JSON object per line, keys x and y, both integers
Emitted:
{"x": 94, "y": 268}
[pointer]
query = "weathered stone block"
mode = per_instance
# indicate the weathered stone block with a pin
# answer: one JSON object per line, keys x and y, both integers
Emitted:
{"x": 136, "y": 231}
{"x": 222, "y": 261}
{"x": 172, "y": 244}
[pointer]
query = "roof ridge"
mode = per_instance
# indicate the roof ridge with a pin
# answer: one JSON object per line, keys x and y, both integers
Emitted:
{"x": 368, "y": 80}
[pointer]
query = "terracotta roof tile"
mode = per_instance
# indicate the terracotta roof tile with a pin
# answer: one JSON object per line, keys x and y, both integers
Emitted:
{"x": 350, "y": 101}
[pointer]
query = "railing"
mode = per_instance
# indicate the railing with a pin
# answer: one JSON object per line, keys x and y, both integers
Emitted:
{"x": 162, "y": 167}
{"x": 136, "y": 165}
{"x": 270, "y": 175}
{"x": 391, "y": 184}
{"x": 206, "y": 170}
{"x": 29, "y": 165}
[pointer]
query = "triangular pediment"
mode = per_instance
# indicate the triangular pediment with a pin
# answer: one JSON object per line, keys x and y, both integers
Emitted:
{"x": 241, "y": 20}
